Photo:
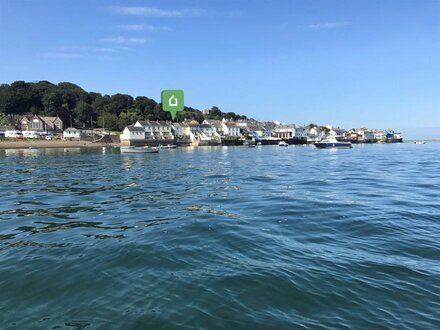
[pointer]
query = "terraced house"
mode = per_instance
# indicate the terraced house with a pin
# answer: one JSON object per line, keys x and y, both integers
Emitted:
{"x": 156, "y": 130}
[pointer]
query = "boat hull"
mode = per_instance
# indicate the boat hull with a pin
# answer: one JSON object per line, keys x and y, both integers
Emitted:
{"x": 170, "y": 146}
{"x": 331, "y": 145}
{"x": 138, "y": 150}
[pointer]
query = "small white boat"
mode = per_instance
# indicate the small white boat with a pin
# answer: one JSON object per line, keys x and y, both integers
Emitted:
{"x": 139, "y": 150}
{"x": 168, "y": 146}
{"x": 419, "y": 142}
{"x": 283, "y": 144}
{"x": 332, "y": 143}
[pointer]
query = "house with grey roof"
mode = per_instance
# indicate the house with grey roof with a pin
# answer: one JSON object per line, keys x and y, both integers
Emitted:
{"x": 132, "y": 134}
{"x": 156, "y": 130}
{"x": 72, "y": 134}
{"x": 41, "y": 123}
{"x": 231, "y": 129}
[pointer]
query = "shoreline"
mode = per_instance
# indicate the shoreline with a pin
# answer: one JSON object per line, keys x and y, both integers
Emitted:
{"x": 30, "y": 144}
{"x": 39, "y": 144}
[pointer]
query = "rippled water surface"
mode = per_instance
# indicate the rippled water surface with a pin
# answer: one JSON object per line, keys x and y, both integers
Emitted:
{"x": 226, "y": 237}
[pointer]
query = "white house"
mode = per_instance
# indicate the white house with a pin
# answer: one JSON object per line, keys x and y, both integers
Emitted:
{"x": 155, "y": 130}
{"x": 269, "y": 127}
{"x": 216, "y": 124}
{"x": 208, "y": 130}
{"x": 205, "y": 132}
{"x": 290, "y": 131}
{"x": 315, "y": 133}
{"x": 337, "y": 133}
{"x": 178, "y": 130}
{"x": 365, "y": 135}
{"x": 257, "y": 130}
{"x": 71, "y": 133}
{"x": 379, "y": 135}
{"x": 230, "y": 129}
{"x": 132, "y": 134}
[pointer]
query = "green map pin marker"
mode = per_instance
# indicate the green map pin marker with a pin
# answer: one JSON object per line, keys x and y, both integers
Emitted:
{"x": 172, "y": 101}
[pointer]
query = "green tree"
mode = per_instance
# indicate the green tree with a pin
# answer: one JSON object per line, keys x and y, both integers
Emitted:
{"x": 51, "y": 102}
{"x": 83, "y": 112}
{"x": 215, "y": 113}
{"x": 109, "y": 121}
{"x": 68, "y": 100}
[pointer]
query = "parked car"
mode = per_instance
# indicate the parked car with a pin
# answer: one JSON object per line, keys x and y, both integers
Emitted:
{"x": 44, "y": 135}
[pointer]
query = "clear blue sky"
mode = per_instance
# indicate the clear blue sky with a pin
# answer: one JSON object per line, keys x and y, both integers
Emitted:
{"x": 349, "y": 63}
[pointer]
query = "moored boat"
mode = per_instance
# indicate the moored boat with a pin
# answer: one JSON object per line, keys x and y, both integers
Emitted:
{"x": 332, "y": 143}
{"x": 139, "y": 150}
{"x": 283, "y": 144}
{"x": 419, "y": 142}
{"x": 168, "y": 146}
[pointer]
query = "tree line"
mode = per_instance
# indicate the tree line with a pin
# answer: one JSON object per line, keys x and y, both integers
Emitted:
{"x": 89, "y": 109}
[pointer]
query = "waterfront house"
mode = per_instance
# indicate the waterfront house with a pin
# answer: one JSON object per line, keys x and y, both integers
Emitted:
{"x": 72, "y": 134}
{"x": 182, "y": 131}
{"x": 269, "y": 127}
{"x": 178, "y": 130}
{"x": 257, "y": 130}
{"x": 41, "y": 124}
{"x": 208, "y": 130}
{"x": 251, "y": 127}
{"x": 379, "y": 135}
{"x": 156, "y": 130}
{"x": 231, "y": 129}
{"x": 337, "y": 133}
{"x": 195, "y": 133}
{"x": 315, "y": 133}
{"x": 216, "y": 124}
{"x": 295, "y": 134}
{"x": 132, "y": 134}
{"x": 352, "y": 135}
{"x": 189, "y": 134}
{"x": 365, "y": 135}
{"x": 165, "y": 129}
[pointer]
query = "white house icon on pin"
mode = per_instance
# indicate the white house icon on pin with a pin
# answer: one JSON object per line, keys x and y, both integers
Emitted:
{"x": 173, "y": 101}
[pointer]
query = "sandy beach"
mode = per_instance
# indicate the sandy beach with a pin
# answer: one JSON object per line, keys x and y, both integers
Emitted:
{"x": 10, "y": 144}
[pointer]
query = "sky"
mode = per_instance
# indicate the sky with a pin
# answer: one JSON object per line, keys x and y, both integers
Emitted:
{"x": 349, "y": 63}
